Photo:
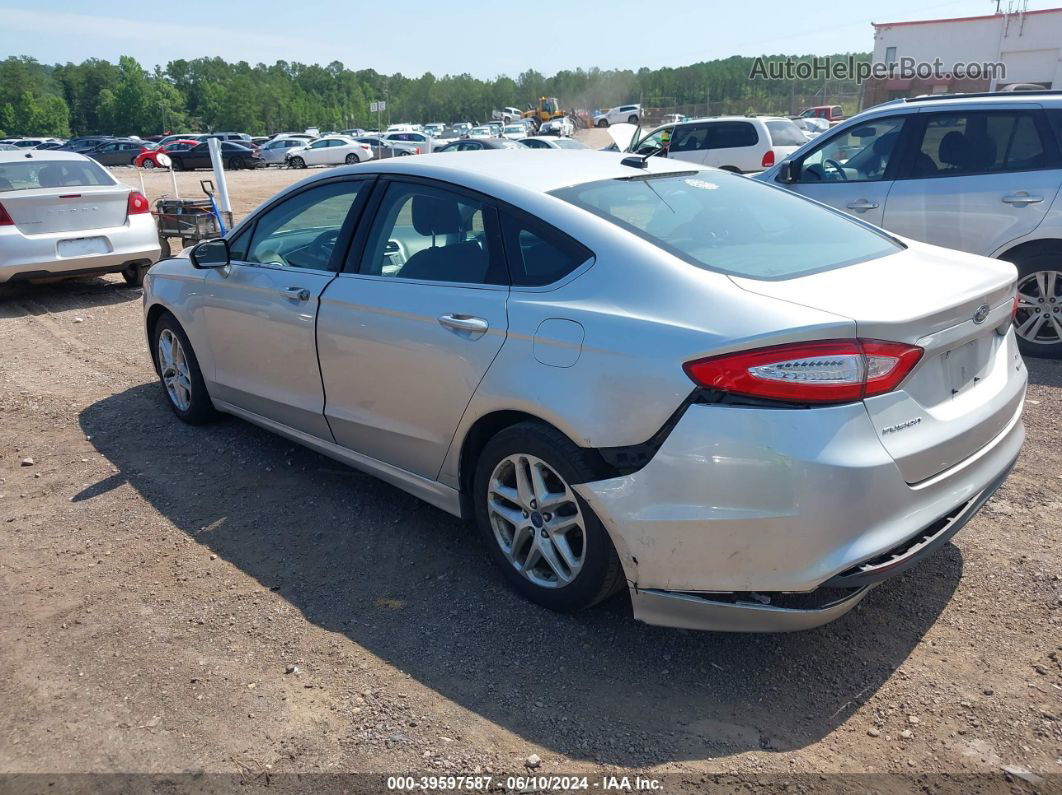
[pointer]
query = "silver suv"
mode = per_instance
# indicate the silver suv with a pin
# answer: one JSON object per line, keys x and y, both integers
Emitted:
{"x": 975, "y": 172}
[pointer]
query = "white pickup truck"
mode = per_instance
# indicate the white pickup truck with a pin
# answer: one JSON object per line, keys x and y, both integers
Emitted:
{"x": 506, "y": 115}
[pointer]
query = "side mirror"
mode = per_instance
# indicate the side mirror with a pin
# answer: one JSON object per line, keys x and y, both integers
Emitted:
{"x": 210, "y": 254}
{"x": 788, "y": 172}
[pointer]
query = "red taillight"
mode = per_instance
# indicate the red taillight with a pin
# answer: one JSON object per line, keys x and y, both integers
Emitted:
{"x": 768, "y": 159}
{"x": 5, "y": 218}
{"x": 826, "y": 371}
{"x": 137, "y": 203}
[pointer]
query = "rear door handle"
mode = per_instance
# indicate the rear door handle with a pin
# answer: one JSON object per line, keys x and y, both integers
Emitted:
{"x": 468, "y": 323}
{"x": 296, "y": 293}
{"x": 862, "y": 205}
{"x": 1021, "y": 199}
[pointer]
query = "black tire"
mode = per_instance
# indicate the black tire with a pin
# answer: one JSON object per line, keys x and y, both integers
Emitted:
{"x": 731, "y": 169}
{"x": 632, "y": 119}
{"x": 233, "y": 164}
{"x": 297, "y": 162}
{"x": 200, "y": 410}
{"x": 352, "y": 159}
{"x": 148, "y": 163}
{"x": 603, "y": 123}
{"x": 164, "y": 244}
{"x": 176, "y": 164}
{"x": 134, "y": 275}
{"x": 601, "y": 574}
{"x": 1046, "y": 343}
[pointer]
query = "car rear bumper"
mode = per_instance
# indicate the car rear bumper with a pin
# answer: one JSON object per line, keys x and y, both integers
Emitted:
{"x": 25, "y": 256}
{"x": 752, "y": 519}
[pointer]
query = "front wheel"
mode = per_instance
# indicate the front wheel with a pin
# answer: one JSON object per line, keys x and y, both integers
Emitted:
{"x": 297, "y": 162}
{"x": 603, "y": 123}
{"x": 134, "y": 275}
{"x": 148, "y": 163}
{"x": 179, "y": 373}
{"x": 176, "y": 164}
{"x": 547, "y": 541}
{"x": 1038, "y": 319}
{"x": 352, "y": 159}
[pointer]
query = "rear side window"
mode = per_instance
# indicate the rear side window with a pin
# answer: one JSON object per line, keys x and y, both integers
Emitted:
{"x": 732, "y": 224}
{"x": 537, "y": 253}
{"x": 784, "y": 133}
{"x": 732, "y": 134}
{"x": 979, "y": 143}
{"x": 33, "y": 174}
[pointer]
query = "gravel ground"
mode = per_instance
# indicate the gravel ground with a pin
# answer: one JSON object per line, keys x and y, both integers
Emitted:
{"x": 217, "y": 599}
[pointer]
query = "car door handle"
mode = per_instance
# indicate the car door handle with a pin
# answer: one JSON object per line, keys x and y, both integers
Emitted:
{"x": 862, "y": 205}
{"x": 1021, "y": 199}
{"x": 296, "y": 293}
{"x": 473, "y": 325}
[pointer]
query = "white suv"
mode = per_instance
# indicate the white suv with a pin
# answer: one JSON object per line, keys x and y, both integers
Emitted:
{"x": 976, "y": 172}
{"x": 732, "y": 143}
{"x": 624, "y": 114}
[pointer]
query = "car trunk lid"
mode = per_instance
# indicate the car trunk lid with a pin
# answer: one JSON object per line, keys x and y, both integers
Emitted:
{"x": 970, "y": 381}
{"x": 66, "y": 209}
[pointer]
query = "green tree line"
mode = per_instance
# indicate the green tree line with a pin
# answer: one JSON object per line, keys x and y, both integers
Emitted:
{"x": 206, "y": 94}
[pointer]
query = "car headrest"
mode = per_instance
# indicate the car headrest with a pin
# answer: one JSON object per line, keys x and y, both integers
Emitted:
{"x": 51, "y": 177}
{"x": 884, "y": 144}
{"x": 433, "y": 215}
{"x": 954, "y": 149}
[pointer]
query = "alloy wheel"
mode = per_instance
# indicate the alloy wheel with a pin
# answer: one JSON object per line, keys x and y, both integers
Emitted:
{"x": 536, "y": 520}
{"x": 1038, "y": 319}
{"x": 173, "y": 365}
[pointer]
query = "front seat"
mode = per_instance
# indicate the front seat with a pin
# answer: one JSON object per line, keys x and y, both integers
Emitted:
{"x": 462, "y": 261}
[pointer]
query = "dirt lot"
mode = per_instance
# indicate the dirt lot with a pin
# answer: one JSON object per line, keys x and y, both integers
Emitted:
{"x": 157, "y": 583}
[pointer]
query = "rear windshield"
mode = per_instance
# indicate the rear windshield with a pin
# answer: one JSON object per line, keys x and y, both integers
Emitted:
{"x": 33, "y": 174}
{"x": 732, "y": 224}
{"x": 785, "y": 133}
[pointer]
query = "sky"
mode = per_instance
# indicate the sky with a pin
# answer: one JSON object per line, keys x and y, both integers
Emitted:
{"x": 484, "y": 38}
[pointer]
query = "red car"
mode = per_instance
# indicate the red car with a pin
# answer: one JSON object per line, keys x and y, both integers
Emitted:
{"x": 147, "y": 158}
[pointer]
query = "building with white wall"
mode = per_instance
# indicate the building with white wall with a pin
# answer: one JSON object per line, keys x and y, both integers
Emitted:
{"x": 1028, "y": 43}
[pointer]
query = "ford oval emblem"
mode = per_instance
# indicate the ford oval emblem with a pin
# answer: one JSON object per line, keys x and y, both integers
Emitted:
{"x": 981, "y": 313}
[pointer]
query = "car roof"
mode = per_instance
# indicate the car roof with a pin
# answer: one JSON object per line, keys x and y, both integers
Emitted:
{"x": 50, "y": 155}
{"x": 538, "y": 170}
{"x": 994, "y": 98}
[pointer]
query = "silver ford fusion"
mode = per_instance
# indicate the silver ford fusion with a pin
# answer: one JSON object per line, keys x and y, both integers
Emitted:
{"x": 742, "y": 406}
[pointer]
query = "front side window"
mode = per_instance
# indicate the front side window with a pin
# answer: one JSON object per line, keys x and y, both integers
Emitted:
{"x": 431, "y": 234}
{"x": 302, "y": 230}
{"x": 656, "y": 141}
{"x": 860, "y": 154}
{"x": 731, "y": 224}
{"x": 954, "y": 144}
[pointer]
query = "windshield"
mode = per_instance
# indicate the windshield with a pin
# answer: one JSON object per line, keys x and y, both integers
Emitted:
{"x": 33, "y": 174}
{"x": 731, "y": 224}
{"x": 785, "y": 133}
{"x": 515, "y": 128}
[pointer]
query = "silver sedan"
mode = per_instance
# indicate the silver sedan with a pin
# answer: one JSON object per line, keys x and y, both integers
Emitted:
{"x": 744, "y": 408}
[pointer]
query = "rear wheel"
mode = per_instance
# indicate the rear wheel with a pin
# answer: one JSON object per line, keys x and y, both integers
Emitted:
{"x": 547, "y": 541}
{"x": 179, "y": 373}
{"x": 603, "y": 123}
{"x": 176, "y": 164}
{"x": 1038, "y": 320}
{"x": 632, "y": 119}
{"x": 352, "y": 159}
{"x": 732, "y": 169}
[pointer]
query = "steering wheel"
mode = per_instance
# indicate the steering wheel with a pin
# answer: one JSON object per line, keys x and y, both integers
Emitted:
{"x": 837, "y": 167}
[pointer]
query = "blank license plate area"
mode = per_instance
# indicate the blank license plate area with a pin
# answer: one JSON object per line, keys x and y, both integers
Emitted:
{"x": 81, "y": 246}
{"x": 965, "y": 366}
